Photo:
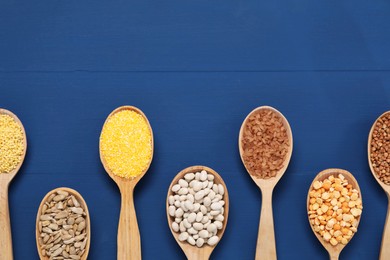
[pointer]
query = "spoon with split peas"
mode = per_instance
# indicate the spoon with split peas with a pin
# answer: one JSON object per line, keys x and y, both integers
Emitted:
{"x": 5, "y": 179}
{"x": 129, "y": 241}
{"x": 333, "y": 251}
{"x": 385, "y": 247}
{"x": 266, "y": 249}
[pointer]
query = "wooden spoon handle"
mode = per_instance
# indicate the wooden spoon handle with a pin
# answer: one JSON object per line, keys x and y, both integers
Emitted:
{"x": 334, "y": 255}
{"x": 385, "y": 248}
{"x": 194, "y": 253}
{"x": 265, "y": 249}
{"x": 129, "y": 242}
{"x": 5, "y": 225}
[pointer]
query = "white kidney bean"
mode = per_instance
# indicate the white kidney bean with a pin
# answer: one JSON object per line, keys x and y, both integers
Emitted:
{"x": 183, "y": 191}
{"x": 216, "y": 206}
{"x": 199, "y": 195}
{"x": 192, "y": 231}
{"x": 188, "y": 204}
{"x": 183, "y": 183}
{"x": 186, "y": 223}
{"x": 218, "y": 224}
{"x": 183, "y": 236}
{"x": 189, "y": 176}
{"x": 197, "y": 207}
{"x": 221, "y": 190}
{"x": 179, "y": 212}
{"x": 175, "y": 227}
{"x": 171, "y": 200}
{"x": 191, "y": 240}
{"x": 220, "y": 217}
{"x": 171, "y": 211}
{"x": 197, "y": 226}
{"x": 182, "y": 227}
{"x": 207, "y": 201}
{"x": 199, "y": 242}
{"x": 215, "y": 188}
{"x": 191, "y": 218}
{"x": 212, "y": 241}
{"x": 176, "y": 187}
{"x": 197, "y": 186}
{"x": 203, "y": 233}
{"x": 203, "y": 175}
{"x": 211, "y": 228}
{"x": 199, "y": 217}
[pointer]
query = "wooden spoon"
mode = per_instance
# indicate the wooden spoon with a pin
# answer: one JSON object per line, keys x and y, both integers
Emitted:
{"x": 83, "y": 205}
{"x": 129, "y": 241}
{"x": 334, "y": 251}
{"x": 5, "y": 179}
{"x": 385, "y": 247}
{"x": 194, "y": 252}
{"x": 266, "y": 248}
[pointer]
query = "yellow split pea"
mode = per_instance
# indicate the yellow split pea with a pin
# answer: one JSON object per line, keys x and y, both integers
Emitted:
{"x": 126, "y": 143}
{"x": 11, "y": 143}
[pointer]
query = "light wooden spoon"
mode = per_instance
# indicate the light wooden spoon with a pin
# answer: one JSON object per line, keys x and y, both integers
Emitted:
{"x": 83, "y": 205}
{"x": 129, "y": 241}
{"x": 385, "y": 247}
{"x": 334, "y": 251}
{"x": 266, "y": 249}
{"x": 194, "y": 252}
{"x": 5, "y": 179}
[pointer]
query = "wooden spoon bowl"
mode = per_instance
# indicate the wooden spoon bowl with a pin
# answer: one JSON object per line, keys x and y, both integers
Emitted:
{"x": 5, "y": 179}
{"x": 385, "y": 247}
{"x": 266, "y": 248}
{"x": 334, "y": 251}
{"x": 194, "y": 252}
{"x": 83, "y": 205}
{"x": 129, "y": 241}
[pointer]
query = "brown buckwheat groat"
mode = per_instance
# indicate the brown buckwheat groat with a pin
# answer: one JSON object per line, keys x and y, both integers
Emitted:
{"x": 380, "y": 148}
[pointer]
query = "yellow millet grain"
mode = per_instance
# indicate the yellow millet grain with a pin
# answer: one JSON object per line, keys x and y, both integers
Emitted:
{"x": 11, "y": 143}
{"x": 126, "y": 143}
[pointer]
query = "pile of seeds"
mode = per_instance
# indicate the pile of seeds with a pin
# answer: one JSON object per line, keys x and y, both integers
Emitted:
{"x": 11, "y": 143}
{"x": 197, "y": 208}
{"x": 62, "y": 227}
{"x": 126, "y": 143}
{"x": 380, "y": 148}
{"x": 265, "y": 143}
{"x": 334, "y": 209}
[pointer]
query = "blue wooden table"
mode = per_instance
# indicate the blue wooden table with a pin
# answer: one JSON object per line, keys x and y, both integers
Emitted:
{"x": 196, "y": 68}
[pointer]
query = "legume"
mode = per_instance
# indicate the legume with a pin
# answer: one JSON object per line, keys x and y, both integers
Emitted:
{"x": 334, "y": 209}
{"x": 197, "y": 207}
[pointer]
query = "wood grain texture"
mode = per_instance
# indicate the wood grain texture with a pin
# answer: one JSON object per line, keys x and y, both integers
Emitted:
{"x": 83, "y": 204}
{"x": 5, "y": 179}
{"x": 194, "y": 252}
{"x": 265, "y": 247}
{"x": 129, "y": 239}
{"x": 385, "y": 247}
{"x": 333, "y": 251}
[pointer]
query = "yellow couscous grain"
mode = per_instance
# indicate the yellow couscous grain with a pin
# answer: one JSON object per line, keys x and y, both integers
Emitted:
{"x": 126, "y": 143}
{"x": 11, "y": 143}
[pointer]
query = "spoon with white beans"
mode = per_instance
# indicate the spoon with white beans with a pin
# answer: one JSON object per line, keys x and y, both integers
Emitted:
{"x": 197, "y": 210}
